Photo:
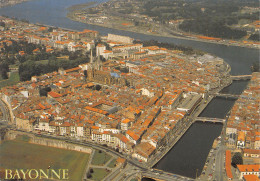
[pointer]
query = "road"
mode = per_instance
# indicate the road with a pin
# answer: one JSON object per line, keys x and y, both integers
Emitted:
{"x": 5, "y": 110}
{"x": 116, "y": 173}
{"x": 131, "y": 172}
{"x": 144, "y": 167}
{"x": 89, "y": 163}
{"x": 189, "y": 120}
{"x": 93, "y": 145}
{"x": 165, "y": 176}
{"x": 135, "y": 166}
{"x": 219, "y": 163}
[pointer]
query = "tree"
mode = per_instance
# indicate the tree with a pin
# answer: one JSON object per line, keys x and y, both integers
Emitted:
{"x": 50, "y": 29}
{"x": 73, "y": 56}
{"x": 25, "y": 75}
{"x": 91, "y": 170}
{"x": 4, "y": 74}
{"x": 85, "y": 73}
{"x": 237, "y": 159}
{"x": 2, "y": 24}
{"x": 255, "y": 67}
{"x": 21, "y": 59}
{"x": 89, "y": 175}
{"x": 97, "y": 87}
{"x": 4, "y": 68}
{"x": 47, "y": 89}
{"x": 43, "y": 92}
{"x": 254, "y": 37}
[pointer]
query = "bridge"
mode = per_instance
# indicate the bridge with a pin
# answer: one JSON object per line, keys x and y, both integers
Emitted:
{"x": 154, "y": 177}
{"x": 160, "y": 175}
{"x": 212, "y": 120}
{"x": 226, "y": 95}
{"x": 232, "y": 96}
{"x": 241, "y": 77}
{"x": 171, "y": 141}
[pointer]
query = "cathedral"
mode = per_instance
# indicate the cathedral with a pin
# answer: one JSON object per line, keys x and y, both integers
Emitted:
{"x": 96, "y": 74}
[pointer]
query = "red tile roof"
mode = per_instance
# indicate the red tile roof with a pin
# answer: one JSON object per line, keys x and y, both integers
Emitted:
{"x": 251, "y": 178}
{"x": 54, "y": 94}
{"x": 228, "y": 164}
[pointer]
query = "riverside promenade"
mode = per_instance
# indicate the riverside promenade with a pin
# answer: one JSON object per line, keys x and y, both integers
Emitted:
{"x": 180, "y": 132}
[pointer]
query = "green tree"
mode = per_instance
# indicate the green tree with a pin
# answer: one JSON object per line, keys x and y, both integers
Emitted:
{"x": 89, "y": 175}
{"x": 237, "y": 159}
{"x": 91, "y": 170}
{"x": 4, "y": 74}
{"x": 50, "y": 29}
{"x": 2, "y": 24}
{"x": 254, "y": 37}
{"x": 255, "y": 67}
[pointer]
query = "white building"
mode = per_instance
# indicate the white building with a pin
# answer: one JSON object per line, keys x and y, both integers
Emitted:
{"x": 147, "y": 92}
{"x": 80, "y": 130}
{"x": 125, "y": 124}
{"x": 100, "y": 49}
{"x": 44, "y": 125}
{"x": 125, "y": 48}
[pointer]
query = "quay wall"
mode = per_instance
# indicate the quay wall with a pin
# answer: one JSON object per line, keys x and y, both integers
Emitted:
{"x": 11, "y": 135}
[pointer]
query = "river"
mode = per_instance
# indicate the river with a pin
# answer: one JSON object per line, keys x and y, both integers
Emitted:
{"x": 190, "y": 153}
{"x": 53, "y": 12}
{"x": 188, "y": 156}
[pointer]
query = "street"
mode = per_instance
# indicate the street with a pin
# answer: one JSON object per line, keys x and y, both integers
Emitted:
{"x": 5, "y": 110}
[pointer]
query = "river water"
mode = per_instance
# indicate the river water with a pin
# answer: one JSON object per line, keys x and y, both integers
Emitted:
{"x": 188, "y": 156}
{"x": 190, "y": 153}
{"x": 53, "y": 12}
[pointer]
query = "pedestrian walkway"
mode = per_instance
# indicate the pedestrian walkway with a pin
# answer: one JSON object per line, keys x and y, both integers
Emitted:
{"x": 89, "y": 163}
{"x": 105, "y": 166}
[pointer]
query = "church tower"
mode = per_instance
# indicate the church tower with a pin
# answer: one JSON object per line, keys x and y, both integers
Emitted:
{"x": 91, "y": 67}
{"x": 98, "y": 64}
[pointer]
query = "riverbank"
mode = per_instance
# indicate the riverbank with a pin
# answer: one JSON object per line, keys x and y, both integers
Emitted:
{"x": 240, "y": 59}
{"x": 115, "y": 21}
{"x": 189, "y": 131}
{"x": 190, "y": 120}
{"x": 11, "y": 3}
{"x": 117, "y": 24}
{"x": 78, "y": 7}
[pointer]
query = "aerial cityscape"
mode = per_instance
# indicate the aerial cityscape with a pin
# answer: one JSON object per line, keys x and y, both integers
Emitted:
{"x": 129, "y": 90}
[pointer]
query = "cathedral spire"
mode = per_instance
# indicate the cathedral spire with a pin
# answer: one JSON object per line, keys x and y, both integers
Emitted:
{"x": 99, "y": 63}
{"x": 91, "y": 56}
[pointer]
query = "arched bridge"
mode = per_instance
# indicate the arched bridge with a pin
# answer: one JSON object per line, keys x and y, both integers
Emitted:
{"x": 227, "y": 95}
{"x": 241, "y": 77}
{"x": 212, "y": 120}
